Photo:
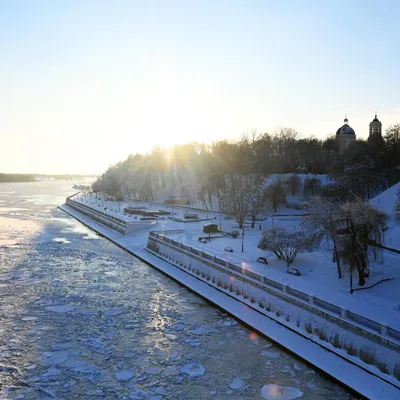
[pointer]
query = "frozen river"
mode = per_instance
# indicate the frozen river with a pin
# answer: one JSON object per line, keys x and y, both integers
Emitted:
{"x": 82, "y": 319}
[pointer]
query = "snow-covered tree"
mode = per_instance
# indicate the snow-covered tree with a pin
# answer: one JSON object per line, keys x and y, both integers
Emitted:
{"x": 360, "y": 236}
{"x": 324, "y": 214}
{"x": 275, "y": 194}
{"x": 237, "y": 198}
{"x": 286, "y": 245}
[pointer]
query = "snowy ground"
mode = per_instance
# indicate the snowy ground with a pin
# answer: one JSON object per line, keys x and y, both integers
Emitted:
{"x": 81, "y": 319}
{"x": 319, "y": 275}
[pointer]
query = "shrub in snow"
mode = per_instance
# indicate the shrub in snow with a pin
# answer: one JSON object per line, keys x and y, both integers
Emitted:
{"x": 336, "y": 341}
{"x": 396, "y": 371}
{"x": 309, "y": 328}
{"x": 321, "y": 334}
{"x": 350, "y": 349}
{"x": 286, "y": 245}
{"x": 367, "y": 356}
{"x": 382, "y": 367}
{"x": 252, "y": 300}
{"x": 261, "y": 304}
{"x": 235, "y": 234}
{"x": 238, "y": 292}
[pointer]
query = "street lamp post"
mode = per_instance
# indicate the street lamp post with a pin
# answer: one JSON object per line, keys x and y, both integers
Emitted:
{"x": 242, "y": 240}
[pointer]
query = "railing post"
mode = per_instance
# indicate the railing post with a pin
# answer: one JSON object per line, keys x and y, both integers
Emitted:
{"x": 343, "y": 312}
{"x": 311, "y": 298}
{"x": 384, "y": 330}
{"x": 284, "y": 289}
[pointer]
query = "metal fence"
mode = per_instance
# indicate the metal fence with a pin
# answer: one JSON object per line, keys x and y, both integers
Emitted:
{"x": 375, "y": 326}
{"x": 297, "y": 293}
{"x": 327, "y": 306}
{"x": 394, "y": 334}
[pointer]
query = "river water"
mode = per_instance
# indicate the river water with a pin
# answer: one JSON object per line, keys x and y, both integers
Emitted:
{"x": 82, "y": 319}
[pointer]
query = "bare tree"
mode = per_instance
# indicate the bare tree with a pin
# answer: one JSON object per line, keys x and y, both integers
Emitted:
{"x": 361, "y": 235}
{"x": 362, "y": 180}
{"x": 293, "y": 181}
{"x": 275, "y": 194}
{"x": 286, "y": 245}
{"x": 257, "y": 197}
{"x": 324, "y": 218}
{"x": 238, "y": 195}
{"x": 311, "y": 186}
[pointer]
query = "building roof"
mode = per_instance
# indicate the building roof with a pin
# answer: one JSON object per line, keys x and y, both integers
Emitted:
{"x": 345, "y": 130}
{"x": 376, "y": 120}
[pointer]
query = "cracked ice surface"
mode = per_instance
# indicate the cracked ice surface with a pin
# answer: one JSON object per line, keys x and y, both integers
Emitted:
{"x": 81, "y": 319}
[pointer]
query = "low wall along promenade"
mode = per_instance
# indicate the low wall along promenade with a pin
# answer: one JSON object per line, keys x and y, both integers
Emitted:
{"x": 111, "y": 221}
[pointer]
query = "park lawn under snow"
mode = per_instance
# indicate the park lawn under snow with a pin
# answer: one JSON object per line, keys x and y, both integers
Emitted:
{"x": 318, "y": 272}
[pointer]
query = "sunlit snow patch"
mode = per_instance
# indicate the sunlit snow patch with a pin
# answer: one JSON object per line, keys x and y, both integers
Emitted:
{"x": 276, "y": 392}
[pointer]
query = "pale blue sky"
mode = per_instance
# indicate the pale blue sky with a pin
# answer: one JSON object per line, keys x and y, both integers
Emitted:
{"x": 85, "y": 83}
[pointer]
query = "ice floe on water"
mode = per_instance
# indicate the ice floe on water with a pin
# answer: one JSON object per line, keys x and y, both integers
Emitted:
{"x": 270, "y": 354}
{"x": 276, "y": 392}
{"x": 61, "y": 309}
{"x": 125, "y": 374}
{"x": 193, "y": 370}
{"x": 61, "y": 240}
{"x": 237, "y": 383}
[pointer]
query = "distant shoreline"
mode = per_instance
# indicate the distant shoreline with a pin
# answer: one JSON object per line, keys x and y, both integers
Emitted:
{"x": 10, "y": 178}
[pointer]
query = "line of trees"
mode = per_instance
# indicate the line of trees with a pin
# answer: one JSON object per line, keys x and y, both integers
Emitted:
{"x": 17, "y": 178}
{"x": 201, "y": 172}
